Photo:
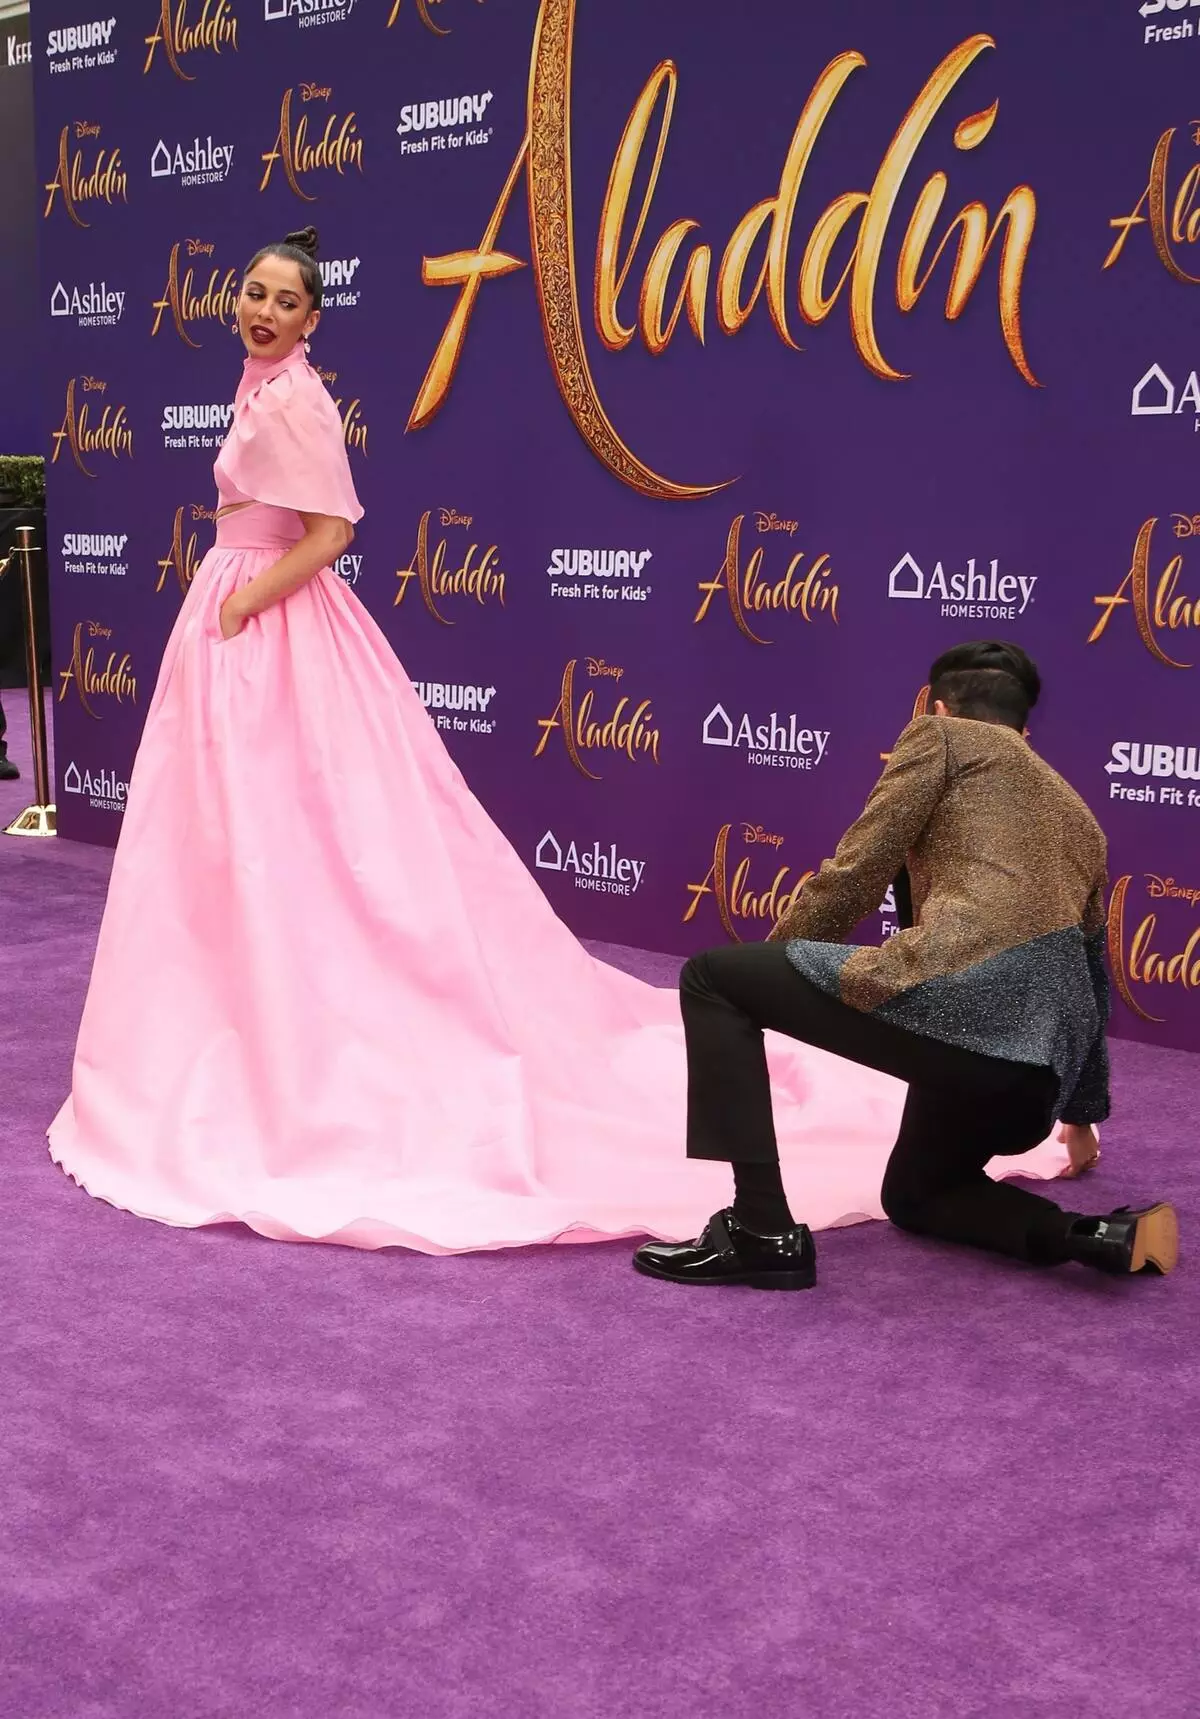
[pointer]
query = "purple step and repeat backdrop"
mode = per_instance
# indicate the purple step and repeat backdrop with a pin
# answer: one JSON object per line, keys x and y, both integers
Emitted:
{"x": 705, "y": 370}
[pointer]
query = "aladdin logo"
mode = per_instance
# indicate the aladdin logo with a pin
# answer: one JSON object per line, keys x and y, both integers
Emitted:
{"x": 1162, "y": 608}
{"x": 991, "y": 596}
{"x": 91, "y": 306}
{"x": 864, "y": 216}
{"x": 339, "y": 145}
{"x": 105, "y": 791}
{"x": 629, "y": 729}
{"x": 1155, "y": 33}
{"x": 94, "y": 552}
{"x": 178, "y": 33}
{"x": 740, "y": 898}
{"x": 424, "y": 11}
{"x": 749, "y": 594}
{"x": 620, "y": 566}
{"x": 19, "y": 53}
{"x": 193, "y": 300}
{"x": 441, "y": 119}
{"x": 1167, "y": 764}
{"x": 1155, "y": 397}
{"x": 781, "y": 742}
{"x": 307, "y": 13}
{"x": 183, "y": 557}
{"x": 114, "y": 680}
{"x": 110, "y": 435}
{"x": 79, "y": 46}
{"x": 595, "y": 868}
{"x": 1173, "y": 218}
{"x": 202, "y": 162}
{"x": 354, "y": 425}
{"x": 480, "y": 580}
{"x": 81, "y": 180}
{"x": 1136, "y": 955}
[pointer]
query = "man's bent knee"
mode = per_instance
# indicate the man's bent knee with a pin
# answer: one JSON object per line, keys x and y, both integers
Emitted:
{"x": 903, "y": 1205}
{"x": 694, "y": 980}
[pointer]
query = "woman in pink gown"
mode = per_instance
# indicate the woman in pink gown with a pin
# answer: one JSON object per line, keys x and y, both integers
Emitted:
{"x": 328, "y": 1000}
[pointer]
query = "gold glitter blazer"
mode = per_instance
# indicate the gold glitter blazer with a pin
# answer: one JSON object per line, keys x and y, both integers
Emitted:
{"x": 1008, "y": 874}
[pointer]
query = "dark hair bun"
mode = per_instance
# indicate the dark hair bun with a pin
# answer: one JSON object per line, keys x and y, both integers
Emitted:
{"x": 306, "y": 240}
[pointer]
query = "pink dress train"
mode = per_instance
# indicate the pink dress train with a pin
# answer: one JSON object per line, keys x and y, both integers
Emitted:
{"x": 329, "y": 1001}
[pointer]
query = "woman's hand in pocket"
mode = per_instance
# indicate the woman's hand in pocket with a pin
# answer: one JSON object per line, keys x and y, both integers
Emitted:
{"x": 232, "y": 618}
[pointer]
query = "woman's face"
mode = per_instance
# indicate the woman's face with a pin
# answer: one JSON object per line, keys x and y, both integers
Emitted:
{"x": 274, "y": 311}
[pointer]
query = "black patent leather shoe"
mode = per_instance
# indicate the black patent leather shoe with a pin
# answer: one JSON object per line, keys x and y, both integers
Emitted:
{"x": 1126, "y": 1241}
{"x": 8, "y": 770}
{"x": 726, "y": 1252}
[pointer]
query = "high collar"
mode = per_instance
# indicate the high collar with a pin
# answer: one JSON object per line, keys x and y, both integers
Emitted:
{"x": 256, "y": 371}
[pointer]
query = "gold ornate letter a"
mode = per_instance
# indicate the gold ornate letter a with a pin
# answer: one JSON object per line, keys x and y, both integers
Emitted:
{"x": 545, "y": 155}
{"x": 551, "y": 227}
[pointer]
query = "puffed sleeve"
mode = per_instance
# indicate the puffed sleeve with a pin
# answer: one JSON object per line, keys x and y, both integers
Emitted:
{"x": 286, "y": 448}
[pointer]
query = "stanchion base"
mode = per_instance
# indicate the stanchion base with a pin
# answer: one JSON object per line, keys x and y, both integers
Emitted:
{"x": 35, "y": 821}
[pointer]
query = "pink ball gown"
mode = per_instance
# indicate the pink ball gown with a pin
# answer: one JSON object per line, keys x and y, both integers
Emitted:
{"x": 328, "y": 1000}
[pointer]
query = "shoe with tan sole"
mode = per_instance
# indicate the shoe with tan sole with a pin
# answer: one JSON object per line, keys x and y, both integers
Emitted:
{"x": 1127, "y": 1241}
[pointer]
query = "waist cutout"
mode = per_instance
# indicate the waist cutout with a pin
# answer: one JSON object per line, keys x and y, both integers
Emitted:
{"x": 259, "y": 526}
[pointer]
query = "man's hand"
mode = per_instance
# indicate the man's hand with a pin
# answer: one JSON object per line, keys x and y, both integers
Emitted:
{"x": 1083, "y": 1147}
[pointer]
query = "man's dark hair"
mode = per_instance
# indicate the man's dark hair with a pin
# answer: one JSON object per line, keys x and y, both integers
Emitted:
{"x": 991, "y": 681}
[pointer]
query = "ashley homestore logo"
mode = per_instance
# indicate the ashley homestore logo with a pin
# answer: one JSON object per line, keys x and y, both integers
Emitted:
{"x": 781, "y": 741}
{"x": 604, "y": 869}
{"x": 980, "y": 592}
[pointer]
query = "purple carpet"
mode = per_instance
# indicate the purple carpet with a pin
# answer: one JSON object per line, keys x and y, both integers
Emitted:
{"x": 242, "y": 1478}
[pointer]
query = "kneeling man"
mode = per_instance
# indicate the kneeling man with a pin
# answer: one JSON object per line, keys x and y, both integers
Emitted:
{"x": 992, "y": 1006}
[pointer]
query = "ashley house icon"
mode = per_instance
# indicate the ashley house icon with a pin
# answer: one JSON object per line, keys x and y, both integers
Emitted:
{"x": 718, "y": 727}
{"x": 549, "y": 856}
{"x": 906, "y": 579}
{"x": 72, "y": 780}
{"x": 1154, "y": 395}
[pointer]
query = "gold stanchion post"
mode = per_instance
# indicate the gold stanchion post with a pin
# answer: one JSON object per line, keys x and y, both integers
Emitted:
{"x": 40, "y": 819}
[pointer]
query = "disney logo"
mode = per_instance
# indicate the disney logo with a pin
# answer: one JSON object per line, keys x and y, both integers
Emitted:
{"x": 752, "y": 833}
{"x": 91, "y": 385}
{"x": 315, "y": 92}
{"x": 598, "y": 668}
{"x": 199, "y": 512}
{"x": 84, "y": 129}
{"x": 451, "y": 516}
{"x": 1166, "y": 889}
{"x": 199, "y": 248}
{"x": 326, "y": 375}
{"x": 772, "y": 522}
{"x": 97, "y": 630}
{"x": 1186, "y": 525}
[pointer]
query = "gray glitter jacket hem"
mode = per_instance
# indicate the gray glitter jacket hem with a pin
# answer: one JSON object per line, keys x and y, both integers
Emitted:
{"x": 1007, "y": 871}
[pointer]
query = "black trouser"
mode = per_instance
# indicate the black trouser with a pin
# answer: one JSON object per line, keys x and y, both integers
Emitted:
{"x": 3, "y": 732}
{"x": 962, "y": 1110}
